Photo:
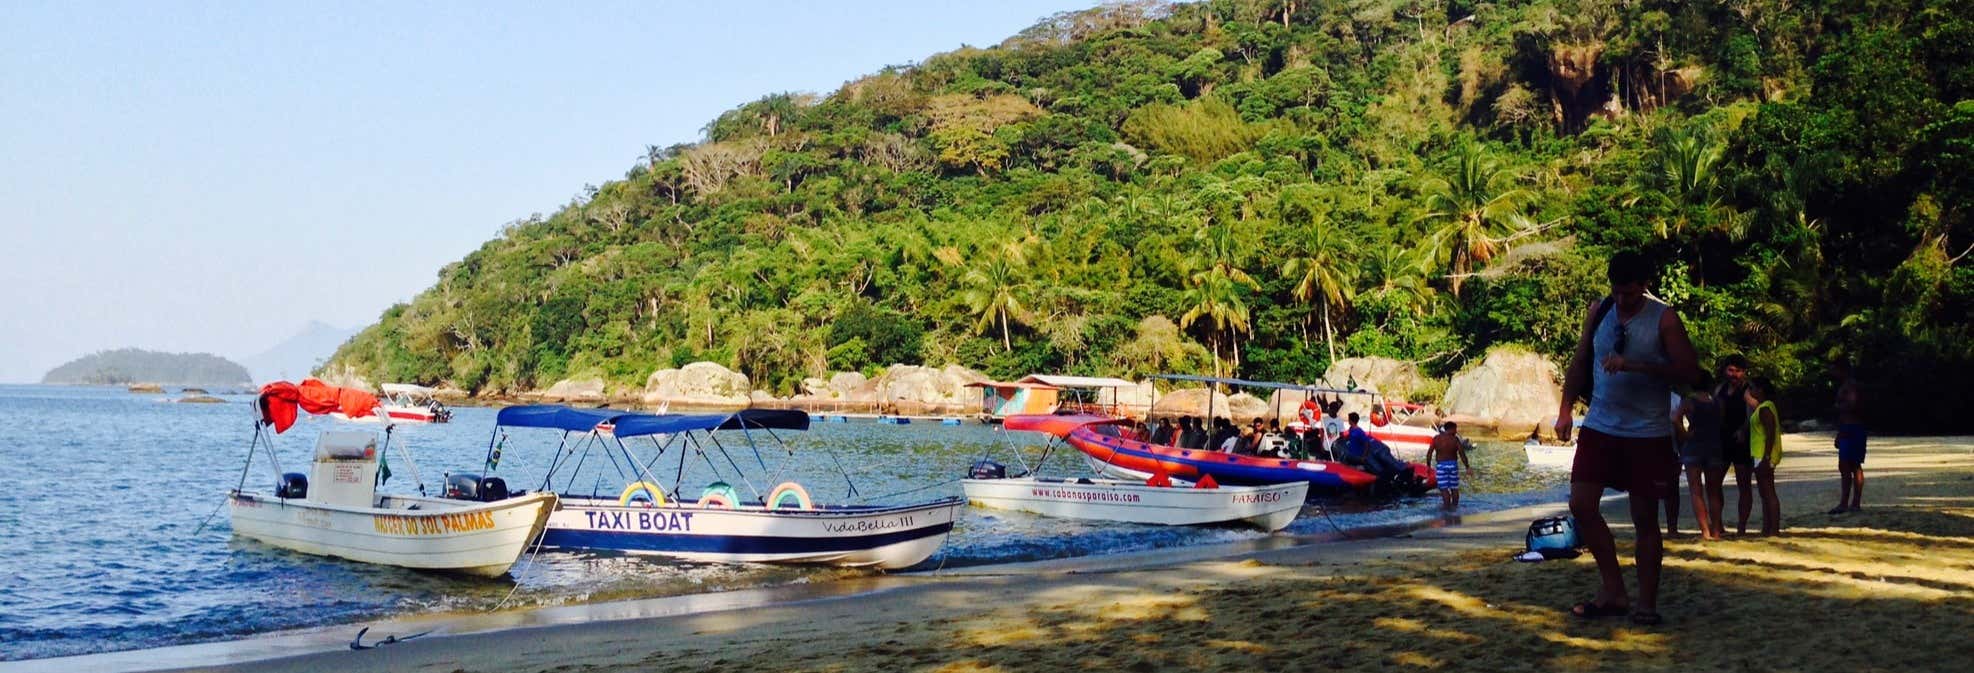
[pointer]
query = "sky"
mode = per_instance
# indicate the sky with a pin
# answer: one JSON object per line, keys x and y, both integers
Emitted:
{"x": 210, "y": 177}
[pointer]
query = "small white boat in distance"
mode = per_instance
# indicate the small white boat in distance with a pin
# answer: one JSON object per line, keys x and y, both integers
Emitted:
{"x": 1549, "y": 456}
{"x": 1269, "y": 508}
{"x": 336, "y": 510}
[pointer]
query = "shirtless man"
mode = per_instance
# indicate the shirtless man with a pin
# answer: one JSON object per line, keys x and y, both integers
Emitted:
{"x": 1850, "y": 439}
{"x": 1447, "y": 454}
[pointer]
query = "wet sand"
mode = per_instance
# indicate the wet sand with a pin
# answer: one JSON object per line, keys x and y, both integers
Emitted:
{"x": 1888, "y": 589}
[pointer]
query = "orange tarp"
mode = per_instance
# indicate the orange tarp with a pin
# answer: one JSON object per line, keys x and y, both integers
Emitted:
{"x": 280, "y": 399}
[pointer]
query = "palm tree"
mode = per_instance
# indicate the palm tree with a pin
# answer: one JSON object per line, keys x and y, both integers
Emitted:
{"x": 1684, "y": 179}
{"x": 1214, "y": 288}
{"x": 1316, "y": 266}
{"x": 1477, "y": 208}
{"x": 996, "y": 288}
{"x": 1399, "y": 274}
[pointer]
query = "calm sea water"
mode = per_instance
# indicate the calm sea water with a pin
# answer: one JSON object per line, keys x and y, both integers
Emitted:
{"x": 103, "y": 492}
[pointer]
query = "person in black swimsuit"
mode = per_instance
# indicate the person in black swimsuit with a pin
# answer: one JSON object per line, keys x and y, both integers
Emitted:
{"x": 1734, "y": 434}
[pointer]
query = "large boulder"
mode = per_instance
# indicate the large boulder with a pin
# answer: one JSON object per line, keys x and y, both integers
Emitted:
{"x": 700, "y": 384}
{"x": 815, "y": 388}
{"x": 1397, "y": 379}
{"x": 851, "y": 387}
{"x": 573, "y": 391}
{"x": 1243, "y": 407}
{"x": 1512, "y": 390}
{"x": 448, "y": 392}
{"x": 1190, "y": 402}
{"x": 1132, "y": 402}
{"x": 914, "y": 389}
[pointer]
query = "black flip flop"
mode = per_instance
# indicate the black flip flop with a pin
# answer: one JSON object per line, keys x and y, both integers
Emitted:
{"x": 1590, "y": 609}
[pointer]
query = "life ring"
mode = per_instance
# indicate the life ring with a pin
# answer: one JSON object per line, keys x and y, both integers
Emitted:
{"x": 1378, "y": 416}
{"x": 718, "y": 495}
{"x": 652, "y": 493}
{"x": 790, "y": 495}
{"x": 1309, "y": 413}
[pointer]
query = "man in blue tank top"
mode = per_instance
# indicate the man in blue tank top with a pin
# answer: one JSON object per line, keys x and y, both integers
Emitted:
{"x": 1632, "y": 350}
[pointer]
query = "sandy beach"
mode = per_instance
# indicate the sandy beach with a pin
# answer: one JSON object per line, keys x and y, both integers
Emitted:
{"x": 1888, "y": 589}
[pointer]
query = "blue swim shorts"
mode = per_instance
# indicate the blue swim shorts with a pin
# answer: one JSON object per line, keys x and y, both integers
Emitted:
{"x": 1447, "y": 472}
{"x": 1850, "y": 443}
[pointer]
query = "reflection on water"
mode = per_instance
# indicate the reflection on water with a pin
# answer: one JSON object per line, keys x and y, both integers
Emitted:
{"x": 105, "y": 491}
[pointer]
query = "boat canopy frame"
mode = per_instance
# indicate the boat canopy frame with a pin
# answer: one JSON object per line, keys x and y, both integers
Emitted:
{"x": 609, "y": 428}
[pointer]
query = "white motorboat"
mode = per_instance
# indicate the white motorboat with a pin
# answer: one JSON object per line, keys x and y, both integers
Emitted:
{"x": 1134, "y": 498}
{"x": 407, "y": 403}
{"x": 1549, "y": 456}
{"x": 335, "y": 510}
{"x": 1269, "y": 508}
{"x": 716, "y": 524}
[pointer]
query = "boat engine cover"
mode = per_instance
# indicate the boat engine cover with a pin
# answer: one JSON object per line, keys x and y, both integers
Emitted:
{"x": 293, "y": 486}
{"x": 493, "y": 488}
{"x": 988, "y": 469}
{"x": 463, "y": 486}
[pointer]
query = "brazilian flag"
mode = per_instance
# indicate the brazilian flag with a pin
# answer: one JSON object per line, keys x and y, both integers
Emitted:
{"x": 383, "y": 468}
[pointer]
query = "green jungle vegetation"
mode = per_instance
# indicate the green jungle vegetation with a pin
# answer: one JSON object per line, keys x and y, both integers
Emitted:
{"x": 1262, "y": 186}
{"x": 131, "y": 365}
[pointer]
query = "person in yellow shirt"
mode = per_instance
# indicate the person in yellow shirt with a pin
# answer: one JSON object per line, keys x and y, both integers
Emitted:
{"x": 1765, "y": 445}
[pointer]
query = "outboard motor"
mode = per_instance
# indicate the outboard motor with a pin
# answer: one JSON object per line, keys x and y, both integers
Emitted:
{"x": 293, "y": 486}
{"x": 987, "y": 469}
{"x": 493, "y": 488}
{"x": 464, "y": 486}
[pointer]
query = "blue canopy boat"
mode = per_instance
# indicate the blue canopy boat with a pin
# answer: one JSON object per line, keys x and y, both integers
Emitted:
{"x": 713, "y": 523}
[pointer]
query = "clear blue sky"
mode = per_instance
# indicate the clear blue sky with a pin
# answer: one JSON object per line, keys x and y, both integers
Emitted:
{"x": 212, "y": 176}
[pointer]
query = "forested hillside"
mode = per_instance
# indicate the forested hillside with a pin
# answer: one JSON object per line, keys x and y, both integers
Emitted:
{"x": 1144, "y": 187}
{"x": 131, "y": 365}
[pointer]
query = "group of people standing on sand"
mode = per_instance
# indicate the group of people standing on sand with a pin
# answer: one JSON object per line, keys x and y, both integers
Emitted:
{"x": 1631, "y": 353}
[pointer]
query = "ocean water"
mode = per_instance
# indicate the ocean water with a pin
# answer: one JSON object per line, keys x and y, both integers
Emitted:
{"x": 115, "y": 540}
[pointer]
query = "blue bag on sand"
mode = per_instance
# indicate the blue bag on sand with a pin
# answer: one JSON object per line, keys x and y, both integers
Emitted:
{"x": 1553, "y": 537}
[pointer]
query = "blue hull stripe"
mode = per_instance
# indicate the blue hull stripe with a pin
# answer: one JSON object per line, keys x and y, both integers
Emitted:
{"x": 730, "y": 544}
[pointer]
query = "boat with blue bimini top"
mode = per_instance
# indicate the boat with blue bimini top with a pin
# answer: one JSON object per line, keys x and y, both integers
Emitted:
{"x": 716, "y": 522}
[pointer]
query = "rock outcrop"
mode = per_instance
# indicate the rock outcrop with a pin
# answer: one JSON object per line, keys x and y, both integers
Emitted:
{"x": 345, "y": 376}
{"x": 1190, "y": 402}
{"x": 200, "y": 399}
{"x": 701, "y": 384}
{"x": 146, "y": 388}
{"x": 1512, "y": 390}
{"x": 913, "y": 389}
{"x": 573, "y": 391}
{"x": 1396, "y": 379}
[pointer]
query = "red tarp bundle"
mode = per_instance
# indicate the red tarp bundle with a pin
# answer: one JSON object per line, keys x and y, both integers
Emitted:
{"x": 279, "y": 399}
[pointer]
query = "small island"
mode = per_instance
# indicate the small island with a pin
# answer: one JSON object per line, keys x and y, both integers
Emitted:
{"x": 135, "y": 366}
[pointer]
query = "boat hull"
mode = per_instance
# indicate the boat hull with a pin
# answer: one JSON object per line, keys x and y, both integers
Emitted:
{"x": 473, "y": 538}
{"x": 1269, "y": 508}
{"x": 882, "y": 537}
{"x": 1546, "y": 457}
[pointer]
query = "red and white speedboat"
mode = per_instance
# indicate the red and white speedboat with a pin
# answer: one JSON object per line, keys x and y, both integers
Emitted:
{"x": 407, "y": 403}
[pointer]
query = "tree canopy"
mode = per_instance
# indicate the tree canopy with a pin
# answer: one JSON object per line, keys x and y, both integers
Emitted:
{"x": 1260, "y": 186}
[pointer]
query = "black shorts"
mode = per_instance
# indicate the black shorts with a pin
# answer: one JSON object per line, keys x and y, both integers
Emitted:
{"x": 1641, "y": 465}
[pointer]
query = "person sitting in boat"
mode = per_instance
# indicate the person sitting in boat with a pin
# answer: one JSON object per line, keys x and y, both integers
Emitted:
{"x": 1314, "y": 445}
{"x": 1162, "y": 435}
{"x": 1222, "y": 430}
{"x": 1370, "y": 453}
{"x": 1241, "y": 443}
{"x": 1195, "y": 435}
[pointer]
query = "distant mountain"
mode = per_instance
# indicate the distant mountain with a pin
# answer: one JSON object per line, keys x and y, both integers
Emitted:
{"x": 299, "y": 355}
{"x": 131, "y": 365}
